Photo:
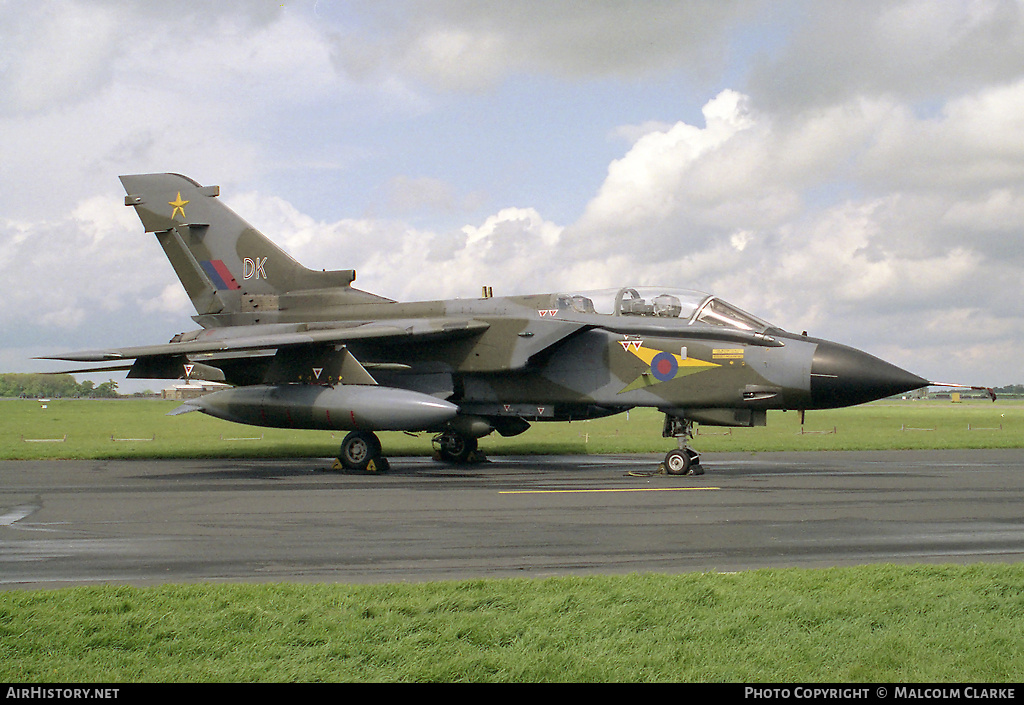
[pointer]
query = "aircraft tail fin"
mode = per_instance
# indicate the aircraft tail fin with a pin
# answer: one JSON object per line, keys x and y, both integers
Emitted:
{"x": 225, "y": 264}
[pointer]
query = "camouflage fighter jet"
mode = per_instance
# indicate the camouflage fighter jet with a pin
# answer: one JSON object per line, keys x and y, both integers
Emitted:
{"x": 304, "y": 349}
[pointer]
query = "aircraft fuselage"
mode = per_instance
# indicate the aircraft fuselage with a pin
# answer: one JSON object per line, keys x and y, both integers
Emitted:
{"x": 302, "y": 348}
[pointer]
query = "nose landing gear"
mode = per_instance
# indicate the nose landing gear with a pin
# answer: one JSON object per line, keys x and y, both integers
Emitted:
{"x": 683, "y": 460}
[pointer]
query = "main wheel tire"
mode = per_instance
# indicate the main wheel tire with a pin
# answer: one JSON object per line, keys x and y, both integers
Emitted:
{"x": 456, "y": 448}
{"x": 677, "y": 462}
{"x": 358, "y": 449}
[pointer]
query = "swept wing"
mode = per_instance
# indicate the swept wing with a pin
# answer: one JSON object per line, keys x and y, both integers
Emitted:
{"x": 248, "y": 339}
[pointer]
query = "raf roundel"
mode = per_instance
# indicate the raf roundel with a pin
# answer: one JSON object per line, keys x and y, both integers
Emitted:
{"x": 664, "y": 366}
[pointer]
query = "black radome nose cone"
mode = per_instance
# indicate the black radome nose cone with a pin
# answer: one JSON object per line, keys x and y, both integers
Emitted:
{"x": 844, "y": 376}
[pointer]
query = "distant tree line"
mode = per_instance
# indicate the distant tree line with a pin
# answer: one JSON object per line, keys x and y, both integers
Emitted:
{"x": 41, "y": 385}
{"x": 1011, "y": 389}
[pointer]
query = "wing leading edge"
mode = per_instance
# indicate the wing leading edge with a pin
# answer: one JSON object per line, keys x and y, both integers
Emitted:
{"x": 247, "y": 340}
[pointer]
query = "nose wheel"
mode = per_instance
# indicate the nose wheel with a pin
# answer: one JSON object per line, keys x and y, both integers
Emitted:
{"x": 683, "y": 460}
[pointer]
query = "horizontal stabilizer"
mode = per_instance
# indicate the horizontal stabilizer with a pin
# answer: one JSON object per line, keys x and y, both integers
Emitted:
{"x": 85, "y": 370}
{"x": 185, "y": 408}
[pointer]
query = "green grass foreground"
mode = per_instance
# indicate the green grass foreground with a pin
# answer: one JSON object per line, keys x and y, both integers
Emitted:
{"x": 140, "y": 429}
{"x": 884, "y": 623}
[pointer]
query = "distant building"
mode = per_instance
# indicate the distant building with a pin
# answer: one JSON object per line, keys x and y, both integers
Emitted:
{"x": 181, "y": 392}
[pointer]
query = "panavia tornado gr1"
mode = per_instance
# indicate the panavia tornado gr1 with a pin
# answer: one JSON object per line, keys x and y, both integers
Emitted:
{"x": 303, "y": 348}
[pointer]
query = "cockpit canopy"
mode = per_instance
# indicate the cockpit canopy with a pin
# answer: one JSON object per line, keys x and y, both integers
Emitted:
{"x": 661, "y": 302}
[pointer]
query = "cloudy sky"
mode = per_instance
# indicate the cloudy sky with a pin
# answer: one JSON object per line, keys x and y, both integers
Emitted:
{"x": 852, "y": 169}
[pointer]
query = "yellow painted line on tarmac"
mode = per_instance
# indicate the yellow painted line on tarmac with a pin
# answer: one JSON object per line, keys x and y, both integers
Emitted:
{"x": 626, "y": 489}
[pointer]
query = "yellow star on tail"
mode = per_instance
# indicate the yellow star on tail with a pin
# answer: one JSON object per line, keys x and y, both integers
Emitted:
{"x": 179, "y": 205}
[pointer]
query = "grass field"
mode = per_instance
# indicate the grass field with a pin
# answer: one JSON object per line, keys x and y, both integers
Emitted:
{"x": 924, "y": 624}
{"x": 140, "y": 428}
{"x": 878, "y": 624}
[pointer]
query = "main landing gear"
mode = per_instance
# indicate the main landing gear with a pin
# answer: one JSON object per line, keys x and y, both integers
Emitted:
{"x": 361, "y": 451}
{"x": 684, "y": 460}
{"x": 455, "y": 447}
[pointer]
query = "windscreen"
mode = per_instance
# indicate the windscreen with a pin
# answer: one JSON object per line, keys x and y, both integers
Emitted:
{"x": 660, "y": 302}
{"x": 718, "y": 313}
